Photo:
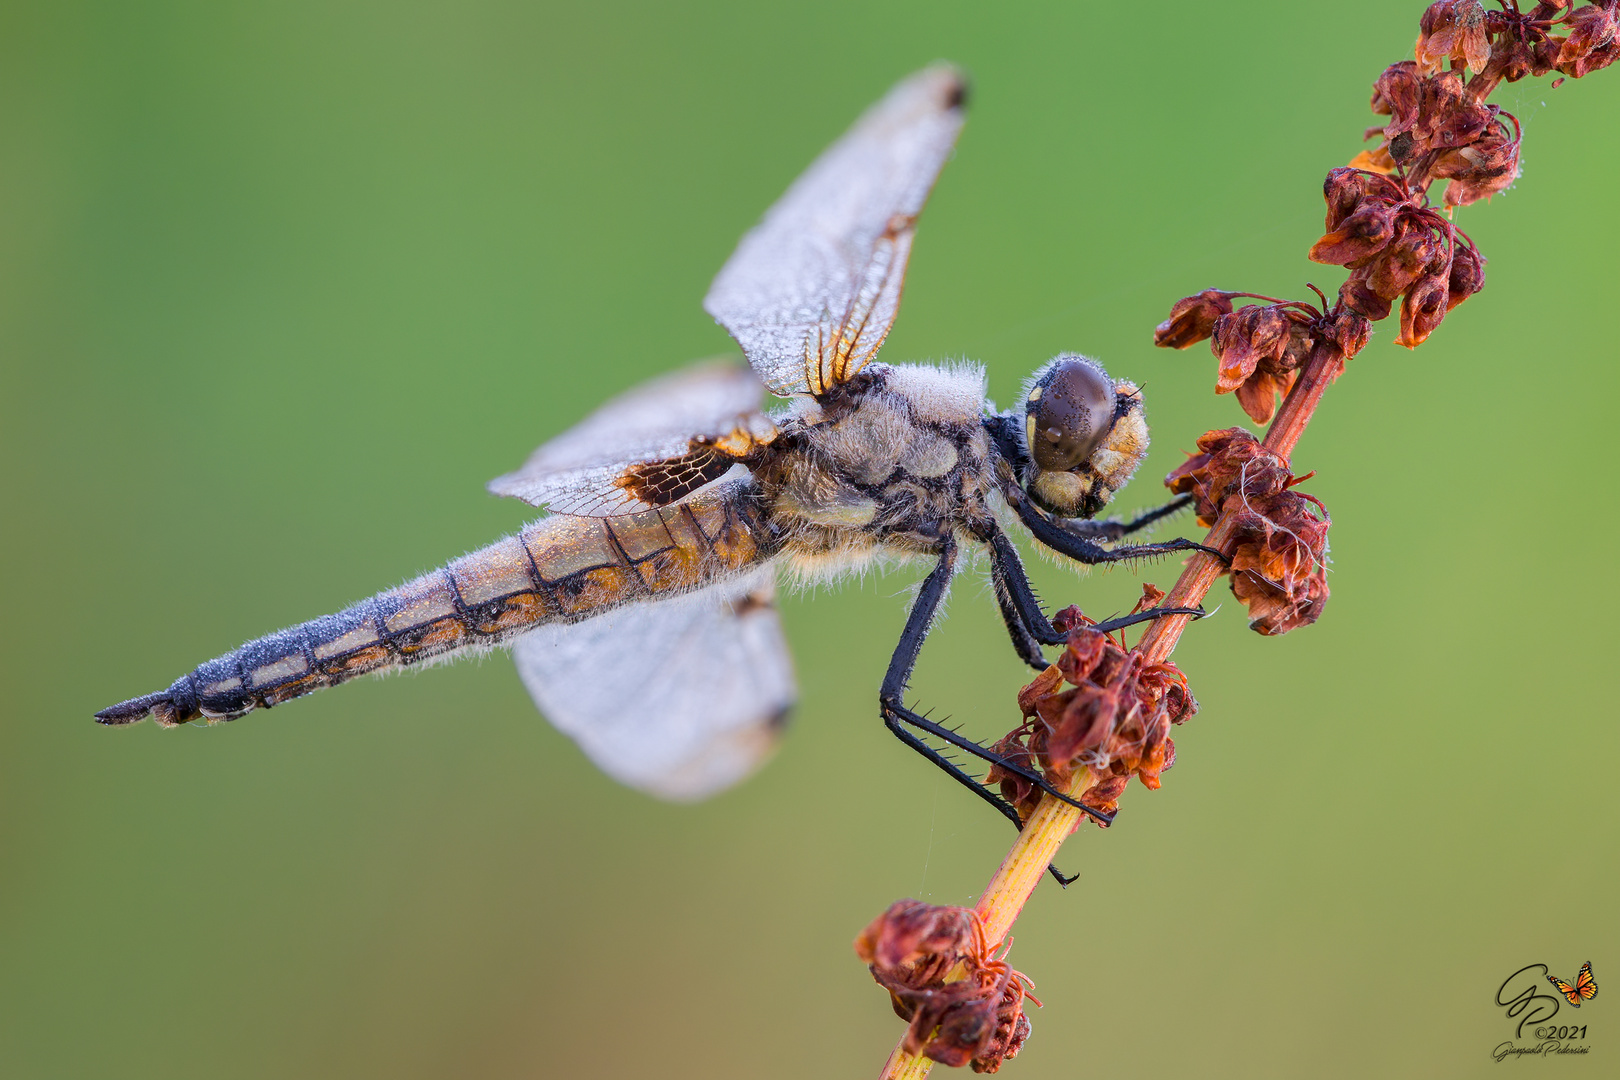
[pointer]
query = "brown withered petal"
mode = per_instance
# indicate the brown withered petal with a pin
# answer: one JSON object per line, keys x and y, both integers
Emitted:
{"x": 1378, "y": 161}
{"x": 1103, "y": 796}
{"x": 1544, "y": 54}
{"x": 1467, "y": 275}
{"x": 1259, "y": 393}
{"x": 1596, "y": 60}
{"x": 1422, "y": 308}
{"x": 1361, "y": 299}
{"x": 1590, "y": 28}
{"x": 1359, "y": 237}
{"x": 1496, "y": 153}
{"x": 1192, "y": 319}
{"x": 1350, "y": 332}
{"x": 1273, "y": 610}
{"x": 1453, "y": 30}
{"x": 1345, "y": 187}
{"x": 911, "y": 930}
{"x": 1449, "y": 115}
{"x": 1403, "y": 261}
{"x": 1020, "y": 792}
{"x": 1244, "y": 338}
{"x": 1464, "y": 192}
{"x": 1396, "y": 94}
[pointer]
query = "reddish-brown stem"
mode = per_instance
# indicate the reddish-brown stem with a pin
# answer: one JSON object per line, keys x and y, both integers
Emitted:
{"x": 1053, "y": 820}
{"x": 1325, "y": 363}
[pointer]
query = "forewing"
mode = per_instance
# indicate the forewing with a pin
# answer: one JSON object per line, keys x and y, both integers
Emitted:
{"x": 811, "y": 292}
{"x": 581, "y": 471}
{"x": 680, "y": 698}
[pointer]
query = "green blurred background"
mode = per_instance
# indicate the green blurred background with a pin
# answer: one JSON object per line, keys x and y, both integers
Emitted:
{"x": 283, "y": 285}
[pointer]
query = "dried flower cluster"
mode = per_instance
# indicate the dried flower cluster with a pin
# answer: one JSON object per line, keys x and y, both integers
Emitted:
{"x": 963, "y": 1005}
{"x": 1509, "y": 44}
{"x": 1396, "y": 248}
{"x": 1279, "y": 551}
{"x": 1102, "y": 713}
{"x": 1097, "y": 707}
{"x": 1261, "y": 347}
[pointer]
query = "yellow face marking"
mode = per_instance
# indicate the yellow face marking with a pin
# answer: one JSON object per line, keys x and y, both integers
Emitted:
{"x": 1035, "y": 394}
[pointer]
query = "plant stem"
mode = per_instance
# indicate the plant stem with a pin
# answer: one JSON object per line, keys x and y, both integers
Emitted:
{"x": 1053, "y": 821}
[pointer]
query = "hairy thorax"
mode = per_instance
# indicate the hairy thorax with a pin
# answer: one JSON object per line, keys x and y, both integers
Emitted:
{"x": 886, "y": 465}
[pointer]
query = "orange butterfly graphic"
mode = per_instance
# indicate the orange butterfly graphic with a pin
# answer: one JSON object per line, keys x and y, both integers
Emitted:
{"x": 1585, "y": 988}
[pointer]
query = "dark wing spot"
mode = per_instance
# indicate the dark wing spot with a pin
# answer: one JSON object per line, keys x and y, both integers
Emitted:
{"x": 659, "y": 483}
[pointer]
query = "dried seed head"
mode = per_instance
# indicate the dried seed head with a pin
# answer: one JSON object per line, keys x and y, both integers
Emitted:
{"x": 1244, "y": 338}
{"x": 913, "y": 949}
{"x": 1591, "y": 45}
{"x": 1396, "y": 93}
{"x": 1260, "y": 349}
{"x": 1422, "y": 308}
{"x": 1359, "y": 297}
{"x": 1453, "y": 30}
{"x": 912, "y": 931}
{"x": 1362, "y": 234}
{"x": 1098, "y": 707}
{"x": 1467, "y": 275}
{"x": 1192, "y": 319}
{"x": 1349, "y": 331}
{"x": 1280, "y": 545}
{"x": 1404, "y": 261}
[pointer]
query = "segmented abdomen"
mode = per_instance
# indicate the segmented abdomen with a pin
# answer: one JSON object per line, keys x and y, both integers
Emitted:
{"x": 557, "y": 569}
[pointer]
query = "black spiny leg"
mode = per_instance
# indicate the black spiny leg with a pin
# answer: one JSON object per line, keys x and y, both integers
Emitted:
{"x": 1020, "y": 605}
{"x": 1025, "y": 643}
{"x": 1067, "y": 539}
{"x": 1113, "y": 529}
{"x": 898, "y": 718}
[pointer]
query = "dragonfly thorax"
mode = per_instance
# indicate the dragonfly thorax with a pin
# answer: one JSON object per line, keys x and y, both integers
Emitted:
{"x": 894, "y": 460}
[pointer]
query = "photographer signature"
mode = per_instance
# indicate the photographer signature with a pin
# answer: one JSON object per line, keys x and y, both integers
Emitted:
{"x": 1528, "y": 1006}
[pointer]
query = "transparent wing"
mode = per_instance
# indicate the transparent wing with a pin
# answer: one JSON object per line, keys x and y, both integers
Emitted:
{"x": 588, "y": 469}
{"x": 680, "y": 698}
{"x": 811, "y": 292}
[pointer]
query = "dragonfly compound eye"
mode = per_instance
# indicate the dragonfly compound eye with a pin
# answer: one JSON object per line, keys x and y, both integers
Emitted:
{"x": 1068, "y": 413}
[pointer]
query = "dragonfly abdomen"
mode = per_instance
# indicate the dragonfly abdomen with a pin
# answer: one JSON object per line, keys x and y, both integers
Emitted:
{"x": 557, "y": 569}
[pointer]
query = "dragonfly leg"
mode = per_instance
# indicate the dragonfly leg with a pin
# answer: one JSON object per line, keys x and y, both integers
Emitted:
{"x": 1024, "y": 641}
{"x": 906, "y": 723}
{"x": 1067, "y": 538}
{"x": 1021, "y": 608}
{"x": 1114, "y": 529}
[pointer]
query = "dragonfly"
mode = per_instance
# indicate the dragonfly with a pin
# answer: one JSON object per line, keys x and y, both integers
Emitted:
{"x": 641, "y": 609}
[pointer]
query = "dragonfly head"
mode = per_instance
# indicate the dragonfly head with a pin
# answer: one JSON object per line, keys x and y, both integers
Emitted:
{"x": 1084, "y": 435}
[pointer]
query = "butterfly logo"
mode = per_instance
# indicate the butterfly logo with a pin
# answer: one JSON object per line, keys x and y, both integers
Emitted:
{"x": 1585, "y": 988}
